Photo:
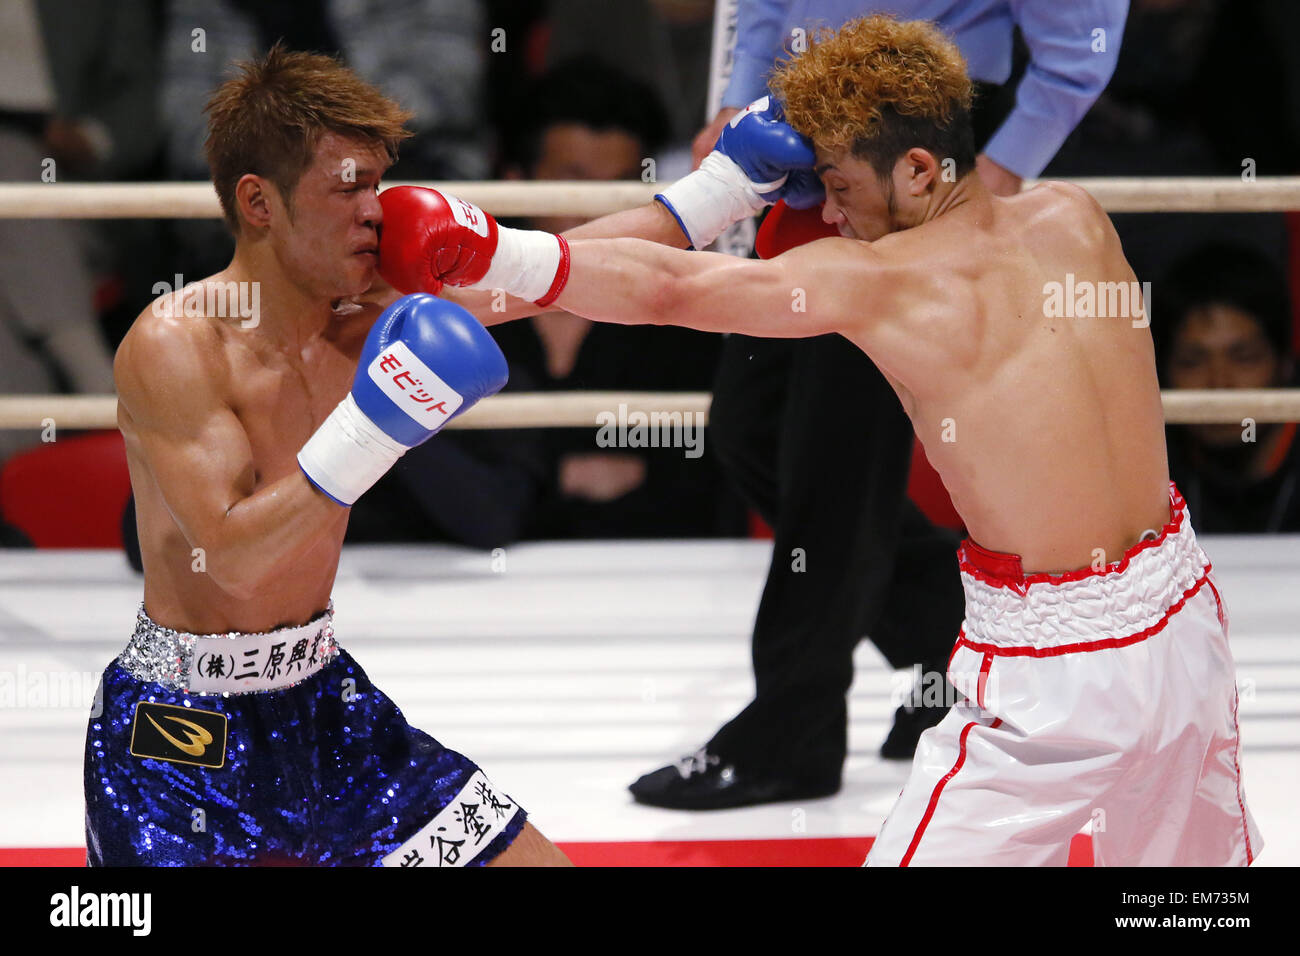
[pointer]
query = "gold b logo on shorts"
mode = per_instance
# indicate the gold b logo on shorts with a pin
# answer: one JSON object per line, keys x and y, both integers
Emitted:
{"x": 174, "y": 733}
{"x": 199, "y": 738}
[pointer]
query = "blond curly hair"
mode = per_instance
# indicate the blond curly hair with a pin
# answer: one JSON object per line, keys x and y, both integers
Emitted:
{"x": 878, "y": 86}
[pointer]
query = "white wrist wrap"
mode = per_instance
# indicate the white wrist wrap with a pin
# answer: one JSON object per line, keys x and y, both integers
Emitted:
{"x": 348, "y": 453}
{"x": 525, "y": 263}
{"x": 710, "y": 199}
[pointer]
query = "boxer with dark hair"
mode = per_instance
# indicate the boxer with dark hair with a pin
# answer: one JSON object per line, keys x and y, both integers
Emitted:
{"x": 233, "y": 730}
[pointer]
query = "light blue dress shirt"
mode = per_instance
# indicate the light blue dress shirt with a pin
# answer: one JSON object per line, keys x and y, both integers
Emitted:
{"x": 1066, "y": 73}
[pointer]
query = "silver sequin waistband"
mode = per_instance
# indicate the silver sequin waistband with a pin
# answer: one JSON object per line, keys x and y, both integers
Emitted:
{"x": 232, "y": 663}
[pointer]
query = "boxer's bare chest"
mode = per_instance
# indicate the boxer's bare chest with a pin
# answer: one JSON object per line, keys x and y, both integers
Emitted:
{"x": 281, "y": 395}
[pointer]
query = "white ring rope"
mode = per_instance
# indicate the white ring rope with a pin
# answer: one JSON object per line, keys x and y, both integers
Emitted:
{"x": 581, "y": 409}
{"x": 585, "y": 409}
{"x": 199, "y": 201}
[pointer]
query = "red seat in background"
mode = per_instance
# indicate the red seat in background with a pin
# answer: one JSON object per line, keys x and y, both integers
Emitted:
{"x": 69, "y": 493}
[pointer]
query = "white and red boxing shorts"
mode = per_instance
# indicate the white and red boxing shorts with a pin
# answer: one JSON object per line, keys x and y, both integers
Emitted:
{"x": 1106, "y": 697}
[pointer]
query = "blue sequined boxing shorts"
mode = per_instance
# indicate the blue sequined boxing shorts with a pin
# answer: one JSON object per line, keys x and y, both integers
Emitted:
{"x": 273, "y": 749}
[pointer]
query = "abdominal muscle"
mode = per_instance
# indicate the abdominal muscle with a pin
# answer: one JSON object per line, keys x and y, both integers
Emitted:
{"x": 178, "y": 594}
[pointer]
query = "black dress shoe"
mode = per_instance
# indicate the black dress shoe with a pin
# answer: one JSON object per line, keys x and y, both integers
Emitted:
{"x": 909, "y": 724}
{"x": 703, "y": 781}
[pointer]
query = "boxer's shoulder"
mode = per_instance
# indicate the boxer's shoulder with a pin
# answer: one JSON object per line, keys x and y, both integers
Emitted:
{"x": 1067, "y": 204}
{"x": 170, "y": 360}
{"x": 855, "y": 270}
{"x": 1059, "y": 190}
{"x": 930, "y": 262}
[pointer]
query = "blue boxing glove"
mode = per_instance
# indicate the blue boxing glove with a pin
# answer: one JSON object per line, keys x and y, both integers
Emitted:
{"x": 759, "y": 158}
{"x": 766, "y": 147}
{"x": 424, "y": 362}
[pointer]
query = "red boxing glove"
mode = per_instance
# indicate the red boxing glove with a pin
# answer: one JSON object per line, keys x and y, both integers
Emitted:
{"x": 428, "y": 239}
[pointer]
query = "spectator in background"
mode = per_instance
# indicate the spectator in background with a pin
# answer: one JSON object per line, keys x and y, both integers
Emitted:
{"x": 76, "y": 102}
{"x": 874, "y": 564}
{"x": 1222, "y": 320}
{"x": 664, "y": 44}
{"x": 1206, "y": 88}
{"x": 429, "y": 55}
{"x": 587, "y": 121}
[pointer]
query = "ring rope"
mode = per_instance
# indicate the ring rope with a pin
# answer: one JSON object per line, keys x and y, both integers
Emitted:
{"x": 581, "y": 409}
{"x": 585, "y": 409}
{"x": 503, "y": 198}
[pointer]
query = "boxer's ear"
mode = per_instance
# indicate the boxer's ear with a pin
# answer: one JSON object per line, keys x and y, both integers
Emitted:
{"x": 922, "y": 170}
{"x": 256, "y": 200}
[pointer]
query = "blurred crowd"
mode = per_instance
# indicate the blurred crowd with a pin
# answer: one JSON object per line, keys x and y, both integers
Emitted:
{"x": 580, "y": 89}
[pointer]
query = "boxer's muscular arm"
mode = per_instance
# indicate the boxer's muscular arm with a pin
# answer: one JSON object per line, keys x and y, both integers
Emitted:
{"x": 832, "y": 285}
{"x": 174, "y": 416}
{"x": 651, "y": 222}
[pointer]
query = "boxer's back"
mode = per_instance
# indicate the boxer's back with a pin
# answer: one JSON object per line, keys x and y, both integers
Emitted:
{"x": 211, "y": 412}
{"x": 1045, "y": 423}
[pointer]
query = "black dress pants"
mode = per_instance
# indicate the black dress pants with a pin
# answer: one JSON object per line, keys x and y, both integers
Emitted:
{"x": 819, "y": 445}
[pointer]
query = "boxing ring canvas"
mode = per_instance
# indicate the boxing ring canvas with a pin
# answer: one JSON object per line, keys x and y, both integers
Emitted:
{"x": 568, "y": 669}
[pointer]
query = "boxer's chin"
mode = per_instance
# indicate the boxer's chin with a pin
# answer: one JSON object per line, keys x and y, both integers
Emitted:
{"x": 360, "y": 274}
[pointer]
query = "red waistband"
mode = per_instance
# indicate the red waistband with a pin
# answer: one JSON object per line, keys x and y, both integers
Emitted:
{"x": 1005, "y": 570}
